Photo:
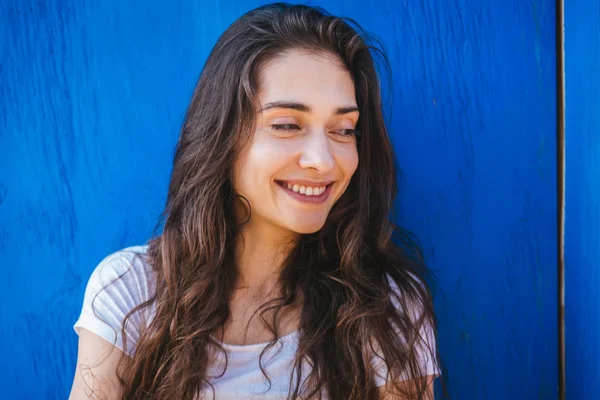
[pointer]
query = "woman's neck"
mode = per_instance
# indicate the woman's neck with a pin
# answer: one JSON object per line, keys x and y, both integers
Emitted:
{"x": 259, "y": 256}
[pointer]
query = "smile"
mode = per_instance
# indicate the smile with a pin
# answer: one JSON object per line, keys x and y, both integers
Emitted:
{"x": 316, "y": 194}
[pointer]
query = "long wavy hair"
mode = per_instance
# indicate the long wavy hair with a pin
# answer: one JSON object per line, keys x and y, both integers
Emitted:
{"x": 345, "y": 272}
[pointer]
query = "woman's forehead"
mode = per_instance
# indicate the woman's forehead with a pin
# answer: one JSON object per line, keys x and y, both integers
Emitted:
{"x": 316, "y": 80}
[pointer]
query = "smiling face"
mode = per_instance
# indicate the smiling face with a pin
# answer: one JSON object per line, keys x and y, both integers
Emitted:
{"x": 303, "y": 152}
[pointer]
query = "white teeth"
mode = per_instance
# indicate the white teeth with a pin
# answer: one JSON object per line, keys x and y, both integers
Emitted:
{"x": 306, "y": 190}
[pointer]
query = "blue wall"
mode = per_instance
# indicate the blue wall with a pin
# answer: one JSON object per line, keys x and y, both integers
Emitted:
{"x": 582, "y": 208}
{"x": 92, "y": 99}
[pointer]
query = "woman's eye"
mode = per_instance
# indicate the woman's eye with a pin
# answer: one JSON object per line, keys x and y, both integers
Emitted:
{"x": 346, "y": 132}
{"x": 285, "y": 127}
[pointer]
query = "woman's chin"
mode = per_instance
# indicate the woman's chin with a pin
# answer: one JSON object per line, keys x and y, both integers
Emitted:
{"x": 303, "y": 223}
{"x": 307, "y": 228}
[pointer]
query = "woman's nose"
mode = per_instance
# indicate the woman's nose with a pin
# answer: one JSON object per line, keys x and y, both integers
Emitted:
{"x": 317, "y": 152}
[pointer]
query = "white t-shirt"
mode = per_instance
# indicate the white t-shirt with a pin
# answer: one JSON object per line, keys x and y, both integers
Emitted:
{"x": 122, "y": 281}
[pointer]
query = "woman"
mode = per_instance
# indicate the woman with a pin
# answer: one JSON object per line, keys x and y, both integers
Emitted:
{"x": 275, "y": 275}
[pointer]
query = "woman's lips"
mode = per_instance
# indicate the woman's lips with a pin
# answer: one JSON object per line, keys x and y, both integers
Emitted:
{"x": 304, "y": 198}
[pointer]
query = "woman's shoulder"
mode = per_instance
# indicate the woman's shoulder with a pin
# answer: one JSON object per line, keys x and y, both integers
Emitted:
{"x": 124, "y": 277}
{"x": 120, "y": 283}
{"x": 409, "y": 296}
{"x": 129, "y": 266}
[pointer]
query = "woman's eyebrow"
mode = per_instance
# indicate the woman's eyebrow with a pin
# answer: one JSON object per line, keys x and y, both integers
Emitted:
{"x": 304, "y": 108}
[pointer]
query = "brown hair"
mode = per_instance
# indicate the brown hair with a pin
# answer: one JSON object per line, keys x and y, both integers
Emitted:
{"x": 345, "y": 272}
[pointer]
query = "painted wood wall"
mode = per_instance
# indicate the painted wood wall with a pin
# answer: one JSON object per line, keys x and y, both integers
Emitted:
{"x": 582, "y": 198}
{"x": 93, "y": 94}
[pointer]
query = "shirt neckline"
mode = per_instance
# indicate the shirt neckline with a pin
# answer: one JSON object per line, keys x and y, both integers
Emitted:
{"x": 285, "y": 339}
